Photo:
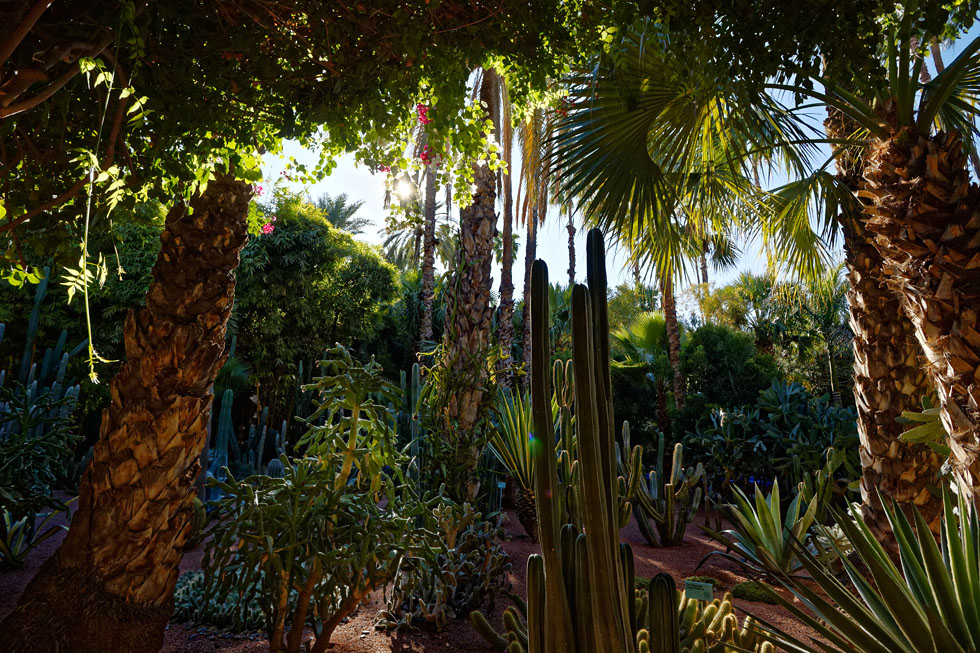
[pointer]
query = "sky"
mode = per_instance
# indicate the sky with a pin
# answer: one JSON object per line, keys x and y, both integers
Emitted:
{"x": 360, "y": 183}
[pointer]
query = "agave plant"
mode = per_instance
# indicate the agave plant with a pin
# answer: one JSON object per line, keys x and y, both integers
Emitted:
{"x": 510, "y": 443}
{"x": 928, "y": 602}
{"x": 763, "y": 536}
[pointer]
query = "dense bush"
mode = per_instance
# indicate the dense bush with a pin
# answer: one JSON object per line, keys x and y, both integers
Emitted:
{"x": 334, "y": 527}
{"x": 787, "y": 433}
{"x": 302, "y": 287}
{"x": 724, "y": 366}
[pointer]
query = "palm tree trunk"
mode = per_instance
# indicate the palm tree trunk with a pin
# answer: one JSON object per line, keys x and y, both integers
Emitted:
{"x": 109, "y": 586}
{"x": 888, "y": 379}
{"x": 530, "y": 252}
{"x": 888, "y": 376}
{"x": 570, "y": 228}
{"x": 924, "y": 215}
{"x": 469, "y": 315}
{"x": 506, "y": 326}
{"x": 428, "y": 255}
{"x": 673, "y": 339}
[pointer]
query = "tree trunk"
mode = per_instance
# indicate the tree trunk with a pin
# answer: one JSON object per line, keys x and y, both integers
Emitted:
{"x": 109, "y": 586}
{"x": 673, "y": 339}
{"x": 570, "y": 228}
{"x": 530, "y": 252}
{"x": 888, "y": 376}
{"x": 888, "y": 379}
{"x": 506, "y": 326}
{"x": 924, "y": 215}
{"x": 428, "y": 255}
{"x": 468, "y": 320}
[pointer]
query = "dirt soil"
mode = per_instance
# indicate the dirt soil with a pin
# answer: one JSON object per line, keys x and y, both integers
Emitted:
{"x": 359, "y": 636}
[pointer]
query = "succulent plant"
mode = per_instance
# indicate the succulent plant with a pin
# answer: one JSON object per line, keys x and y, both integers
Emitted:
{"x": 667, "y": 498}
{"x": 463, "y": 572}
{"x": 581, "y": 596}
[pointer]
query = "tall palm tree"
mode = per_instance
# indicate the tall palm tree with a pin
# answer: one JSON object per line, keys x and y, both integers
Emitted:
{"x": 428, "y": 252}
{"x": 504, "y": 120}
{"x": 682, "y": 122}
{"x": 340, "y": 212}
{"x": 534, "y": 136}
{"x": 469, "y": 312}
{"x": 124, "y": 546}
{"x": 918, "y": 226}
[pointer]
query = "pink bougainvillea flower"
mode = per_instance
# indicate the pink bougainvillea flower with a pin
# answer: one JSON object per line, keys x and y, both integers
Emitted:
{"x": 384, "y": 168}
{"x": 258, "y": 190}
{"x": 423, "y": 112}
{"x": 268, "y": 228}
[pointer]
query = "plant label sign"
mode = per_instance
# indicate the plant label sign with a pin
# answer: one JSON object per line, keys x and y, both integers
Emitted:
{"x": 698, "y": 591}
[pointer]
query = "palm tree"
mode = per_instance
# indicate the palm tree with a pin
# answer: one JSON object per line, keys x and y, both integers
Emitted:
{"x": 505, "y": 331}
{"x": 534, "y": 135}
{"x": 135, "y": 500}
{"x": 339, "y": 211}
{"x": 466, "y": 341}
{"x": 644, "y": 346}
{"x": 684, "y": 123}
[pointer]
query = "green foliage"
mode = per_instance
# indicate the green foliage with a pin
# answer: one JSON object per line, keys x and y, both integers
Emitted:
{"x": 753, "y": 590}
{"x": 787, "y": 433}
{"x": 333, "y": 527}
{"x": 927, "y": 602}
{"x": 462, "y": 570}
{"x": 333, "y": 545}
{"x": 302, "y": 288}
{"x": 627, "y": 302}
{"x": 192, "y": 604}
{"x": 37, "y": 440}
{"x": 763, "y": 535}
{"x": 725, "y": 367}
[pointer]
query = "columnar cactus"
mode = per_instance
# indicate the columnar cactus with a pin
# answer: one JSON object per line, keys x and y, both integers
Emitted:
{"x": 669, "y": 500}
{"x": 581, "y": 596}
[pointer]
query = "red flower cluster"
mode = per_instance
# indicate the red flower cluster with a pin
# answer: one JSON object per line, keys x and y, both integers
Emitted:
{"x": 562, "y": 110}
{"x": 423, "y": 112}
{"x": 384, "y": 168}
{"x": 268, "y": 227}
{"x": 426, "y": 155}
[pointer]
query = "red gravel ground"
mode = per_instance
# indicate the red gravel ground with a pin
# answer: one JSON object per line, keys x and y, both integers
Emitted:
{"x": 359, "y": 636}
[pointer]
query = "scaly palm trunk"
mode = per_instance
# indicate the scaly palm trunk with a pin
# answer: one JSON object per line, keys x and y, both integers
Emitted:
{"x": 673, "y": 339}
{"x": 924, "y": 215}
{"x": 428, "y": 255}
{"x": 468, "y": 320}
{"x": 570, "y": 228}
{"x": 530, "y": 252}
{"x": 506, "y": 327}
{"x": 109, "y": 586}
{"x": 888, "y": 376}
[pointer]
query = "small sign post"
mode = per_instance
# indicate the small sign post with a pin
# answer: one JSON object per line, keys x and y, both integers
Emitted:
{"x": 698, "y": 591}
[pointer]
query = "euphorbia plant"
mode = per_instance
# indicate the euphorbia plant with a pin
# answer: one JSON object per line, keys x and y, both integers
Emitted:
{"x": 310, "y": 546}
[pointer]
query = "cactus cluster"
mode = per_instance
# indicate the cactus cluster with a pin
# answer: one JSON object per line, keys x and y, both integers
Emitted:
{"x": 668, "y": 499}
{"x": 581, "y": 594}
{"x": 249, "y": 458}
{"x": 37, "y": 440}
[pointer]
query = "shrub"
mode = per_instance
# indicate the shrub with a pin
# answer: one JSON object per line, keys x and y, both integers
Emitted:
{"x": 724, "y": 366}
{"x": 333, "y": 527}
{"x": 752, "y": 590}
{"x": 464, "y": 570}
{"x": 787, "y": 433}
